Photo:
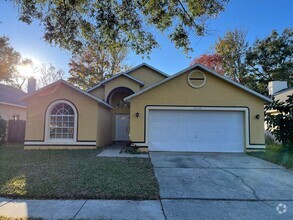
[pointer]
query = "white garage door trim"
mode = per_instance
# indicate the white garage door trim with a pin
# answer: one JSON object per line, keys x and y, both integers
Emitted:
{"x": 197, "y": 108}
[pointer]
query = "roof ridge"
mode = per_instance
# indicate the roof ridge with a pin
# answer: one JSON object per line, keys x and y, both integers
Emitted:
{"x": 126, "y": 73}
{"x": 12, "y": 87}
{"x": 71, "y": 86}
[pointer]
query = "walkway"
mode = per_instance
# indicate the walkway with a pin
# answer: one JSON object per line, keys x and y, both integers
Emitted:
{"x": 81, "y": 209}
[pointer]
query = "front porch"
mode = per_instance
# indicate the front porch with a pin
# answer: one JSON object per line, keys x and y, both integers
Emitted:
{"x": 120, "y": 113}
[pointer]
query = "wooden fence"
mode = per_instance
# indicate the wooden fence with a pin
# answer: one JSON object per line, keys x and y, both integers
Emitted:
{"x": 16, "y": 131}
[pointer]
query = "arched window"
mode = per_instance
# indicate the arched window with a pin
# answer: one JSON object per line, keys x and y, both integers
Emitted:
{"x": 61, "y": 121}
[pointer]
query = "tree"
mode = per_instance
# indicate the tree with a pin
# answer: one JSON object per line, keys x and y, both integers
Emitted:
{"x": 47, "y": 74}
{"x": 212, "y": 61}
{"x": 19, "y": 77}
{"x": 271, "y": 59}
{"x": 93, "y": 66}
{"x": 9, "y": 59}
{"x": 73, "y": 24}
{"x": 232, "y": 48}
{"x": 281, "y": 124}
{"x": 44, "y": 74}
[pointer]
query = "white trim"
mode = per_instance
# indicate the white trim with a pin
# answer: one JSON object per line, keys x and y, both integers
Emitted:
{"x": 204, "y": 79}
{"x": 206, "y": 69}
{"x": 49, "y": 140}
{"x": 71, "y": 86}
{"x": 59, "y": 143}
{"x": 14, "y": 105}
{"x": 196, "y": 108}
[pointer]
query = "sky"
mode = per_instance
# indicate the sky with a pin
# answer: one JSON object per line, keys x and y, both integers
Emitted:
{"x": 257, "y": 17}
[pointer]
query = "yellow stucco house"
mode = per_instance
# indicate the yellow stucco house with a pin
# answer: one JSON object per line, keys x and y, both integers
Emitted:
{"x": 195, "y": 110}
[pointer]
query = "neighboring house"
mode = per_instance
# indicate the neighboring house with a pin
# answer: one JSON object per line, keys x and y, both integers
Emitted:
{"x": 11, "y": 108}
{"x": 282, "y": 95}
{"x": 195, "y": 110}
{"x": 280, "y": 91}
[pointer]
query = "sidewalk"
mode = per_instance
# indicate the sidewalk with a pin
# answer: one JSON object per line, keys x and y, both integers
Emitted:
{"x": 81, "y": 209}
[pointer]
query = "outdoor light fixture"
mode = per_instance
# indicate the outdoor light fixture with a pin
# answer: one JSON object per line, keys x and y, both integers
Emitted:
{"x": 257, "y": 116}
{"x": 137, "y": 114}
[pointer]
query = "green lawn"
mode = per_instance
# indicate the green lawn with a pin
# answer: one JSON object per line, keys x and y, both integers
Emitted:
{"x": 74, "y": 174}
{"x": 276, "y": 154}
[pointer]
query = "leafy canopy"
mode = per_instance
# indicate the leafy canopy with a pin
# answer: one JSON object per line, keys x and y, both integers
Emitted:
{"x": 9, "y": 59}
{"x": 212, "y": 61}
{"x": 232, "y": 48}
{"x": 72, "y": 24}
{"x": 92, "y": 66}
{"x": 271, "y": 59}
{"x": 268, "y": 59}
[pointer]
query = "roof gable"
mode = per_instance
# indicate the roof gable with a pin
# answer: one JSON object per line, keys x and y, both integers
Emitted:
{"x": 264, "y": 98}
{"x": 115, "y": 77}
{"x": 100, "y": 101}
{"x": 146, "y": 65}
{"x": 126, "y": 74}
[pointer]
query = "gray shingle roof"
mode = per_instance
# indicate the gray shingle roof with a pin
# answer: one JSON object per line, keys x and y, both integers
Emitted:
{"x": 11, "y": 95}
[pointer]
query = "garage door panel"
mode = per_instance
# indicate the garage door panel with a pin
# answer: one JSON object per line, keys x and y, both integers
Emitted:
{"x": 196, "y": 131}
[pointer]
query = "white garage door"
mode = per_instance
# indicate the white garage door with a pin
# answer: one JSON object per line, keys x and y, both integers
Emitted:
{"x": 196, "y": 131}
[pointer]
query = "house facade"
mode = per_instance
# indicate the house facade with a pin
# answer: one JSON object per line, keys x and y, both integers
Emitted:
{"x": 195, "y": 110}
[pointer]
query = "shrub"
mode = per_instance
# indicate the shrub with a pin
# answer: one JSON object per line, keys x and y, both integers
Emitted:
{"x": 130, "y": 148}
{"x": 280, "y": 124}
{"x": 269, "y": 140}
{"x": 2, "y": 130}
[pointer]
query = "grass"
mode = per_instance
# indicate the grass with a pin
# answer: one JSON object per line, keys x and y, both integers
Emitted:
{"x": 74, "y": 174}
{"x": 276, "y": 154}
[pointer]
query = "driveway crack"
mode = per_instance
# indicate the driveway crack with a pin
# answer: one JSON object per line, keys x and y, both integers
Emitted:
{"x": 233, "y": 174}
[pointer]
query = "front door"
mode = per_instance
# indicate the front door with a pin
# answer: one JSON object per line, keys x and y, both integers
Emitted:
{"x": 122, "y": 127}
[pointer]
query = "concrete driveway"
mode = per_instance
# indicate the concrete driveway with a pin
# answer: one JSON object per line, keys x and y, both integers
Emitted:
{"x": 222, "y": 186}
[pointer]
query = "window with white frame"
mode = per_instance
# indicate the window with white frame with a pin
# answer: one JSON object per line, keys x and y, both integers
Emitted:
{"x": 62, "y": 121}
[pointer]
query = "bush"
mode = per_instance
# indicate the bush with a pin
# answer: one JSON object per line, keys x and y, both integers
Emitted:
{"x": 2, "y": 130}
{"x": 280, "y": 124}
{"x": 130, "y": 148}
{"x": 269, "y": 140}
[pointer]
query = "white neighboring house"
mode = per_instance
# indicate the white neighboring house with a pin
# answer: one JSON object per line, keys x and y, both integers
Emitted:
{"x": 280, "y": 91}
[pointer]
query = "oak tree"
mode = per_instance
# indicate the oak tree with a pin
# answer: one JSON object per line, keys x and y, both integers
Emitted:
{"x": 73, "y": 24}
